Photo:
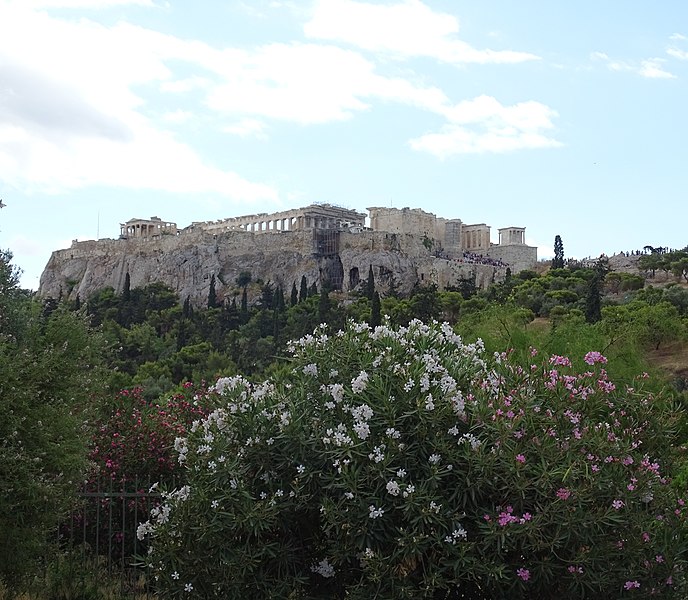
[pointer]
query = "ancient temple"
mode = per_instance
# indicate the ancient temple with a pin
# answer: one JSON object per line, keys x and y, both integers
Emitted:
{"x": 146, "y": 228}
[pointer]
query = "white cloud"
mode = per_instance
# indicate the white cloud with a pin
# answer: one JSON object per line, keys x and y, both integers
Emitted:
{"x": 678, "y": 37}
{"x": 188, "y": 84}
{"x": 484, "y": 125}
{"x": 152, "y": 160}
{"x": 406, "y": 29}
{"x": 21, "y": 244}
{"x": 74, "y": 113}
{"x": 177, "y": 116}
{"x": 676, "y": 53}
{"x": 308, "y": 83}
{"x": 69, "y": 117}
{"x": 650, "y": 67}
{"x": 247, "y": 128}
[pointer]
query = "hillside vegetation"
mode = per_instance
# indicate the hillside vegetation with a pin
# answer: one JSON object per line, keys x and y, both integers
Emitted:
{"x": 107, "y": 385}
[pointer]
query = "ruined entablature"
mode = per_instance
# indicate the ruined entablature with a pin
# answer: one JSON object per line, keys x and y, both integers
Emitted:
{"x": 445, "y": 238}
{"x": 314, "y": 216}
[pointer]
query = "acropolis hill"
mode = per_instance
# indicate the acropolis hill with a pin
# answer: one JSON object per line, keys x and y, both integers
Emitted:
{"x": 322, "y": 242}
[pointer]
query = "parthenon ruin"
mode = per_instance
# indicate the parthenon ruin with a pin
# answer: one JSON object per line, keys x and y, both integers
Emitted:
{"x": 314, "y": 216}
{"x": 448, "y": 238}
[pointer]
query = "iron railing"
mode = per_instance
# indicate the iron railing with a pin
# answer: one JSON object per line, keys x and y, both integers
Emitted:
{"x": 103, "y": 524}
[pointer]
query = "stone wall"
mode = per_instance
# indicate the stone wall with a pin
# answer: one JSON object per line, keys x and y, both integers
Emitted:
{"x": 519, "y": 257}
{"x": 187, "y": 262}
{"x": 403, "y": 221}
{"x": 410, "y": 245}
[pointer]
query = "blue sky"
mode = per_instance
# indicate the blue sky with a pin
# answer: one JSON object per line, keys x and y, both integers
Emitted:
{"x": 566, "y": 118}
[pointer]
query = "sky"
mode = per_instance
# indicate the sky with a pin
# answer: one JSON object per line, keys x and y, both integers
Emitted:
{"x": 566, "y": 118}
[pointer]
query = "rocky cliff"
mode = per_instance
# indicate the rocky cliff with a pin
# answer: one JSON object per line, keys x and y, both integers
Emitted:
{"x": 187, "y": 261}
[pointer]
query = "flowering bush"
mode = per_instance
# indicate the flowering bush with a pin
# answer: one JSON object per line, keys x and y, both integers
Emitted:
{"x": 132, "y": 446}
{"x": 136, "y": 439}
{"x": 404, "y": 463}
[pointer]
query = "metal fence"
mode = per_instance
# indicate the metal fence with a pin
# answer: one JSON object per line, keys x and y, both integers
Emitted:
{"x": 102, "y": 526}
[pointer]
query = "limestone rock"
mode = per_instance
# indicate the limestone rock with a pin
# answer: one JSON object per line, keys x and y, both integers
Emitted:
{"x": 187, "y": 261}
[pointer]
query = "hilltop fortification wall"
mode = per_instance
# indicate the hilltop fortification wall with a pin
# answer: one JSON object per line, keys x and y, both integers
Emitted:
{"x": 320, "y": 242}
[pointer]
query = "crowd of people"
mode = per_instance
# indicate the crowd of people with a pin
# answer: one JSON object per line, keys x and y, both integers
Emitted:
{"x": 473, "y": 258}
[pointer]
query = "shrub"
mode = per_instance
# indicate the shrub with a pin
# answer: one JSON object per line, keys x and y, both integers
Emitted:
{"x": 49, "y": 379}
{"x": 403, "y": 464}
{"x": 132, "y": 447}
{"x": 135, "y": 438}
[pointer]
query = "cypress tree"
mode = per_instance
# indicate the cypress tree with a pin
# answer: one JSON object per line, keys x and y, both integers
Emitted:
{"x": 244, "y": 303}
{"x": 279, "y": 299}
{"x": 593, "y": 299}
{"x": 294, "y": 294}
{"x": 212, "y": 296}
{"x": 370, "y": 284}
{"x": 558, "y": 260}
{"x": 126, "y": 292}
{"x": 375, "y": 311}
{"x": 303, "y": 292}
{"x": 324, "y": 305}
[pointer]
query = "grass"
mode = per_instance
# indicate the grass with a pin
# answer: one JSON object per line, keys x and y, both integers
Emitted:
{"x": 74, "y": 576}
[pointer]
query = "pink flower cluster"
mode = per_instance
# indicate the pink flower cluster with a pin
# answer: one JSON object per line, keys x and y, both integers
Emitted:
{"x": 594, "y": 357}
{"x": 507, "y": 516}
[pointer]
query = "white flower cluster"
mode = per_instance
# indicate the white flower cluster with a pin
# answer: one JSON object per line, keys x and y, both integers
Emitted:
{"x": 470, "y": 439}
{"x": 228, "y": 384}
{"x": 362, "y": 414}
{"x": 182, "y": 448}
{"x": 337, "y": 392}
{"x": 323, "y": 568}
{"x": 377, "y": 455}
{"x": 375, "y": 513}
{"x": 429, "y": 403}
{"x": 161, "y": 514}
{"x": 393, "y": 488}
{"x": 392, "y": 433}
{"x": 359, "y": 384}
{"x": 311, "y": 369}
{"x": 337, "y": 437}
{"x": 458, "y": 534}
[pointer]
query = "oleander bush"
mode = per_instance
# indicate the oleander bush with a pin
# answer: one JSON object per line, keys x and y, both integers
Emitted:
{"x": 405, "y": 463}
{"x": 132, "y": 446}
